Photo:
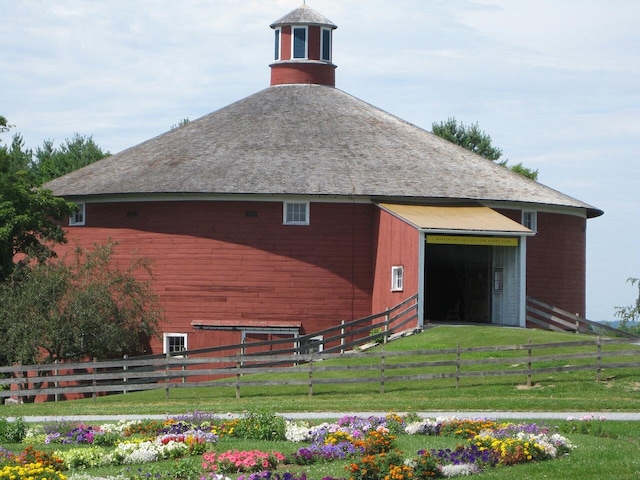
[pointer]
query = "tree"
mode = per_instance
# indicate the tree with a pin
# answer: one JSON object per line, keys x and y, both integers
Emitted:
{"x": 630, "y": 313}
{"x": 79, "y": 307}
{"x": 478, "y": 142}
{"x": 181, "y": 123}
{"x": 51, "y": 162}
{"x": 20, "y": 158}
{"x": 82, "y": 308}
{"x": 29, "y": 216}
{"x": 4, "y": 124}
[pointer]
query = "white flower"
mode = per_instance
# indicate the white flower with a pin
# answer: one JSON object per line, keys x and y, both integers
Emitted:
{"x": 426, "y": 427}
{"x": 461, "y": 470}
{"x": 297, "y": 432}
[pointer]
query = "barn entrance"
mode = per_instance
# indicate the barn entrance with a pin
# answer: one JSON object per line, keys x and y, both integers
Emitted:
{"x": 472, "y": 279}
{"x": 458, "y": 283}
{"x": 472, "y": 263}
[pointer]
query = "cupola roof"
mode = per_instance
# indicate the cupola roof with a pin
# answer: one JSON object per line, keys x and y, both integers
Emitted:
{"x": 303, "y": 15}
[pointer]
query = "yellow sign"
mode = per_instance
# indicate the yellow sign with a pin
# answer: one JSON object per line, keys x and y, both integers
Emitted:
{"x": 469, "y": 240}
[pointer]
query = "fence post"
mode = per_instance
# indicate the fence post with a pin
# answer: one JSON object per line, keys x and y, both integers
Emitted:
{"x": 458, "y": 365}
{"x": 577, "y": 323}
{"x": 599, "y": 358}
{"x": 382, "y": 371}
{"x": 311, "y": 376}
{"x": 95, "y": 382}
{"x": 125, "y": 367}
{"x": 55, "y": 384}
{"x": 166, "y": 375}
{"x": 386, "y": 326}
{"x": 342, "y": 336}
{"x": 238, "y": 375}
{"x": 529, "y": 365}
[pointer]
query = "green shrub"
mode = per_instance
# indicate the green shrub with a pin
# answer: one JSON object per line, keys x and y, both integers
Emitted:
{"x": 12, "y": 431}
{"x": 261, "y": 425}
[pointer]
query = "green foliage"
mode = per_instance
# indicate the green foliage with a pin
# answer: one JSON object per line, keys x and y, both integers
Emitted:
{"x": 75, "y": 153}
{"x": 88, "y": 307}
{"x": 12, "y": 431}
{"x": 181, "y": 123}
{"x": 477, "y": 141}
{"x": 49, "y": 161}
{"x": 261, "y": 425}
{"x": 630, "y": 313}
{"x": 584, "y": 426}
{"x": 471, "y": 138}
{"x": 4, "y": 124}
{"x": 524, "y": 171}
{"x": 81, "y": 458}
{"x": 29, "y": 218}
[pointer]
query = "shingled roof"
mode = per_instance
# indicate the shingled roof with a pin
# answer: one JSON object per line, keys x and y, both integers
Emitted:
{"x": 306, "y": 140}
{"x": 304, "y": 15}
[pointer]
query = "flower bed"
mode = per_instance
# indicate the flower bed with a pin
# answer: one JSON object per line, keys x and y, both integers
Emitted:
{"x": 367, "y": 446}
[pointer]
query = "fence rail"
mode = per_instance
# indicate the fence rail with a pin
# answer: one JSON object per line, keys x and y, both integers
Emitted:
{"x": 547, "y": 317}
{"x": 377, "y": 367}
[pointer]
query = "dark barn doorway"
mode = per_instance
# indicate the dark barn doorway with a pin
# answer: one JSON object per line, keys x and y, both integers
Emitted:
{"x": 458, "y": 283}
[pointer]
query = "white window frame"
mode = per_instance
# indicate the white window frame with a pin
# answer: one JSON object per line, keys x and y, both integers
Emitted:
{"x": 78, "y": 217}
{"x": 285, "y": 211}
{"x": 322, "y": 52}
{"x": 306, "y": 42}
{"x": 530, "y": 219}
{"x": 167, "y": 336}
{"x": 397, "y": 278}
{"x": 278, "y": 44}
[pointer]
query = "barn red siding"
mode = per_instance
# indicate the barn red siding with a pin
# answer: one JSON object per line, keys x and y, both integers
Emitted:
{"x": 397, "y": 244}
{"x": 303, "y": 73}
{"x": 314, "y": 43}
{"x": 237, "y": 262}
{"x": 285, "y": 43}
{"x": 556, "y": 260}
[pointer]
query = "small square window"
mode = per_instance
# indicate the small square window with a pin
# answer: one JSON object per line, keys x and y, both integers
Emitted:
{"x": 397, "y": 279}
{"x": 174, "y": 342}
{"x": 77, "y": 217}
{"x": 312, "y": 344}
{"x": 530, "y": 220}
{"x": 296, "y": 213}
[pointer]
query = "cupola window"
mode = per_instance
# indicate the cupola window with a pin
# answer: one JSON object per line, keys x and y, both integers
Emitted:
{"x": 277, "y": 52}
{"x": 325, "y": 54}
{"x": 299, "y": 42}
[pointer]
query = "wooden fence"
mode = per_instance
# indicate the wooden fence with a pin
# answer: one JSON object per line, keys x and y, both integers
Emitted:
{"x": 378, "y": 367}
{"x": 100, "y": 377}
{"x": 544, "y": 316}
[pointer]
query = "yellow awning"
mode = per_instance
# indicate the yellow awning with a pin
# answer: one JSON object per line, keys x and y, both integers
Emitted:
{"x": 457, "y": 220}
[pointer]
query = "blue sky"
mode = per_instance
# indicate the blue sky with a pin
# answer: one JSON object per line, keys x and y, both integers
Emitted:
{"x": 556, "y": 83}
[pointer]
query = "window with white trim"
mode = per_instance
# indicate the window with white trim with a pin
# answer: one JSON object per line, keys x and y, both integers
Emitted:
{"x": 397, "y": 278}
{"x": 296, "y": 213}
{"x": 325, "y": 45}
{"x": 530, "y": 220}
{"x": 77, "y": 217}
{"x": 277, "y": 49}
{"x": 174, "y": 342}
{"x": 299, "y": 44}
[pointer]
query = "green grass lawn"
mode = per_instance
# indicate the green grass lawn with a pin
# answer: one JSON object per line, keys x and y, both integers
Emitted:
{"x": 618, "y": 390}
{"x": 611, "y": 454}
